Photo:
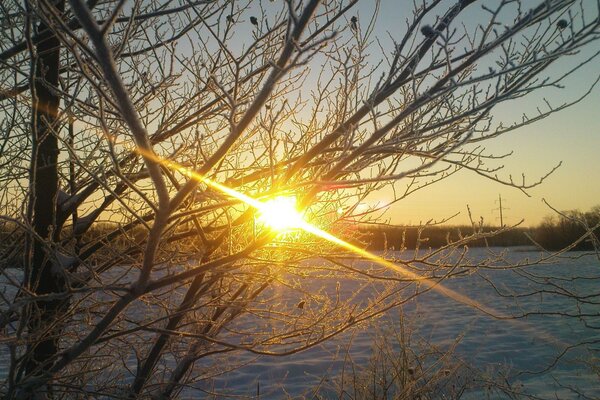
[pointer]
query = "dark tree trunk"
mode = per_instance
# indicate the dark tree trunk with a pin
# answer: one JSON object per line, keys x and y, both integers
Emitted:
{"x": 43, "y": 279}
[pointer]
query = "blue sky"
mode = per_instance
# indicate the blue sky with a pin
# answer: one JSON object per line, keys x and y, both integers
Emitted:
{"x": 571, "y": 136}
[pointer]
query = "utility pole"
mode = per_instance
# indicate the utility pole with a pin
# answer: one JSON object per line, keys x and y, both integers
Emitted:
{"x": 501, "y": 218}
{"x": 500, "y": 209}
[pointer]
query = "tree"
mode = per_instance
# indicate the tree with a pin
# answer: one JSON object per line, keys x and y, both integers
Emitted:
{"x": 125, "y": 125}
{"x": 572, "y": 229}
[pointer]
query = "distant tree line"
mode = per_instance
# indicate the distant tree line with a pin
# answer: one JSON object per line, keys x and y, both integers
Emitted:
{"x": 573, "y": 229}
{"x": 581, "y": 230}
{"x": 396, "y": 237}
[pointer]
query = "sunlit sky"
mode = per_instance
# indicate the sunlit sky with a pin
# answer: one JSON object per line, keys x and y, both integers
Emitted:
{"x": 571, "y": 136}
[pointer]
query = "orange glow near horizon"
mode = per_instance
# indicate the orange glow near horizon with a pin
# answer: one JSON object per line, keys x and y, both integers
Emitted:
{"x": 280, "y": 214}
{"x": 283, "y": 207}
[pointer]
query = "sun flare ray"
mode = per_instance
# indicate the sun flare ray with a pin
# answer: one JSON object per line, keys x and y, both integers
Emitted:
{"x": 280, "y": 214}
{"x": 285, "y": 207}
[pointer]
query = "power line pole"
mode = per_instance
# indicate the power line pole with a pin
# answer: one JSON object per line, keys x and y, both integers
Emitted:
{"x": 500, "y": 209}
{"x": 501, "y": 218}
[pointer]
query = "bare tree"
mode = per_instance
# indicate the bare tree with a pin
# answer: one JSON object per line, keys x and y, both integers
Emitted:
{"x": 138, "y": 139}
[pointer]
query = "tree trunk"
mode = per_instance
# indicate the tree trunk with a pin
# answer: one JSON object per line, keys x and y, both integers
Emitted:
{"x": 43, "y": 279}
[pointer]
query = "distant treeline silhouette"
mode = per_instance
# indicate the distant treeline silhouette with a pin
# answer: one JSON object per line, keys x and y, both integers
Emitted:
{"x": 558, "y": 232}
{"x": 571, "y": 228}
{"x": 393, "y": 237}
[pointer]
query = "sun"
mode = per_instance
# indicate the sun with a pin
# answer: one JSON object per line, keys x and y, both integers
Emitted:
{"x": 280, "y": 213}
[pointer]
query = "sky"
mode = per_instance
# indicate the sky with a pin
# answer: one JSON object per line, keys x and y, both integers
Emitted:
{"x": 571, "y": 136}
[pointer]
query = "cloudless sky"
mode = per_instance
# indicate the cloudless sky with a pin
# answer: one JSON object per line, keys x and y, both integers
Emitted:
{"x": 571, "y": 136}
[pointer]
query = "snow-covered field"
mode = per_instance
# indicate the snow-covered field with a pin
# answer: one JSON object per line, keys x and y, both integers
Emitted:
{"x": 510, "y": 346}
{"x": 514, "y": 347}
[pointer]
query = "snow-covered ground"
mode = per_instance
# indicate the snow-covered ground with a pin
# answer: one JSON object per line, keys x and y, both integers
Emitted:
{"x": 488, "y": 344}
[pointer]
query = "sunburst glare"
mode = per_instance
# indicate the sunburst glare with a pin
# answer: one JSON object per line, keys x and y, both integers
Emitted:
{"x": 281, "y": 214}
